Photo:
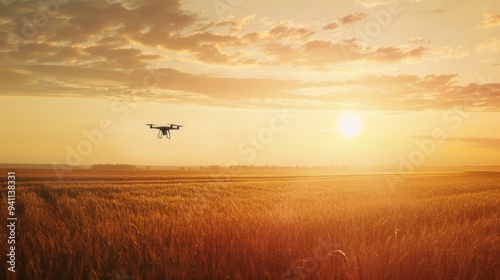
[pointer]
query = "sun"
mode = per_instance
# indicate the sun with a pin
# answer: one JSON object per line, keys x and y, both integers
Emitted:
{"x": 349, "y": 125}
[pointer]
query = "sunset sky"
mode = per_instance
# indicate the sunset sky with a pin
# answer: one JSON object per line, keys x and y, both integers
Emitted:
{"x": 358, "y": 82}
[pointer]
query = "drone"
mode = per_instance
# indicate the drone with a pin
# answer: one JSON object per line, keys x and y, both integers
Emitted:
{"x": 164, "y": 130}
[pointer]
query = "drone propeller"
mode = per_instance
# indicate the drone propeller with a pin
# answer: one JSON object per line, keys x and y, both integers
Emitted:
{"x": 171, "y": 125}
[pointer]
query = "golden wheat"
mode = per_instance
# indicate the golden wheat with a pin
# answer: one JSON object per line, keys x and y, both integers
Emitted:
{"x": 196, "y": 225}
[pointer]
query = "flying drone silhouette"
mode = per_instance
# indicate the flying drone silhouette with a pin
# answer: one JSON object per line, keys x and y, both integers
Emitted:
{"x": 164, "y": 130}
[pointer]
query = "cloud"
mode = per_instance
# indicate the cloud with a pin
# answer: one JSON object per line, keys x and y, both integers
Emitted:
{"x": 235, "y": 25}
{"x": 491, "y": 44}
{"x": 326, "y": 52}
{"x": 150, "y": 22}
{"x": 115, "y": 35}
{"x": 374, "y": 3}
{"x": 490, "y": 20}
{"x": 107, "y": 50}
{"x": 345, "y": 20}
{"x": 417, "y": 40}
{"x": 411, "y": 92}
{"x": 351, "y": 18}
{"x": 442, "y": 50}
{"x": 489, "y": 143}
{"x": 388, "y": 93}
{"x": 446, "y": 52}
{"x": 332, "y": 25}
{"x": 286, "y": 31}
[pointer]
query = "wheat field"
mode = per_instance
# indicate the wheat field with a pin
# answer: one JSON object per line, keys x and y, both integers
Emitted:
{"x": 254, "y": 225}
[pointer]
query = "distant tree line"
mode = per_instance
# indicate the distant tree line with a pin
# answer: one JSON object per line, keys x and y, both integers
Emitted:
{"x": 114, "y": 166}
{"x": 269, "y": 167}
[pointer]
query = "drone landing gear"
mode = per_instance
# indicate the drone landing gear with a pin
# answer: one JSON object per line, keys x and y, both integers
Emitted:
{"x": 166, "y": 133}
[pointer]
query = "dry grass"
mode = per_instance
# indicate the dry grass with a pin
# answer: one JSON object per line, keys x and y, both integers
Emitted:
{"x": 166, "y": 225}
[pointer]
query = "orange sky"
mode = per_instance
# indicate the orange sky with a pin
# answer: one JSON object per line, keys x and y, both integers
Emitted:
{"x": 254, "y": 82}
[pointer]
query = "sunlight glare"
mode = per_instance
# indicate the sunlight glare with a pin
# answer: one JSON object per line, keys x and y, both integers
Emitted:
{"x": 349, "y": 125}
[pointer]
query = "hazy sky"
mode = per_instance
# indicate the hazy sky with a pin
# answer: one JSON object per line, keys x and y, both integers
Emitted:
{"x": 254, "y": 82}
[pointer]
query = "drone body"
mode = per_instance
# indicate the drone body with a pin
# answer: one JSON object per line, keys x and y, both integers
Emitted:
{"x": 164, "y": 130}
